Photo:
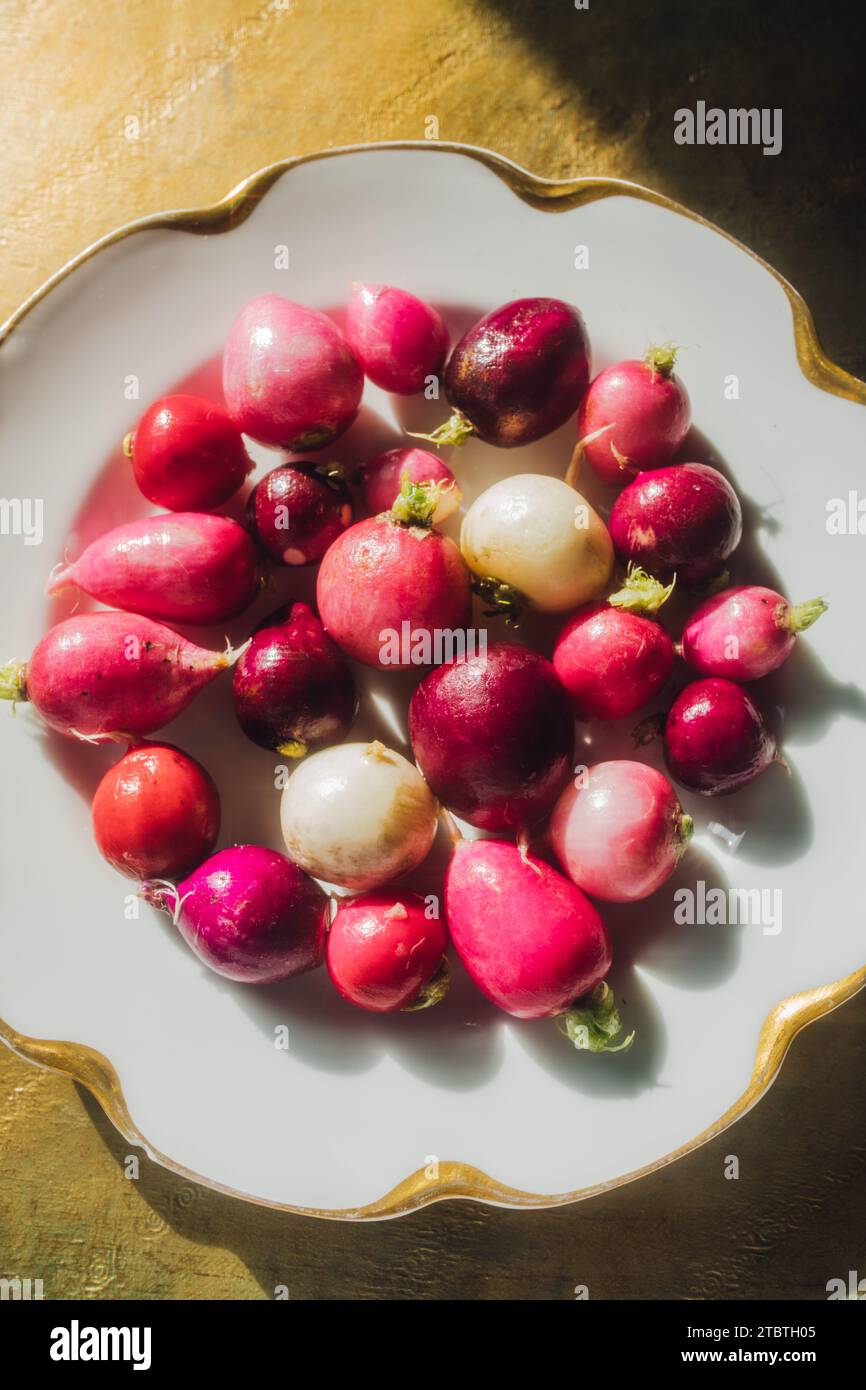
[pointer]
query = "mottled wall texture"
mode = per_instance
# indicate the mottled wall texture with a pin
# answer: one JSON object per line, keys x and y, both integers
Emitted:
{"x": 118, "y": 108}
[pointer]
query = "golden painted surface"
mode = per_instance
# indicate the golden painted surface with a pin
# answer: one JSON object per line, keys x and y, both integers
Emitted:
{"x": 114, "y": 111}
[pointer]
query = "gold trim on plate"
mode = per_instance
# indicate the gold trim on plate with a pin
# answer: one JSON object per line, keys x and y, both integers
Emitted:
{"x": 452, "y": 1179}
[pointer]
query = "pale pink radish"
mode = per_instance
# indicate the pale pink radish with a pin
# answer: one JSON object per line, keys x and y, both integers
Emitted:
{"x": 398, "y": 339}
{"x": 289, "y": 376}
{"x": 383, "y": 477}
{"x": 634, "y": 416}
{"x": 745, "y": 633}
{"x": 619, "y": 831}
{"x": 530, "y": 940}
{"x": 182, "y": 567}
{"x": 106, "y": 674}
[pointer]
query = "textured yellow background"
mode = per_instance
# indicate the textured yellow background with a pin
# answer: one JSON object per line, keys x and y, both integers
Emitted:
{"x": 218, "y": 89}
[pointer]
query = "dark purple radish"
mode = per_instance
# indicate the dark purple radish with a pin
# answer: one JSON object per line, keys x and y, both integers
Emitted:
{"x": 531, "y": 941}
{"x": 619, "y": 831}
{"x": 399, "y": 340}
{"x": 183, "y": 567}
{"x": 293, "y": 690}
{"x": 745, "y": 633}
{"x": 493, "y": 735}
{"x": 100, "y": 675}
{"x": 611, "y": 659}
{"x": 297, "y": 510}
{"x": 518, "y": 374}
{"x": 715, "y": 738}
{"x": 685, "y": 520}
{"x": 634, "y": 416}
{"x": 383, "y": 477}
{"x": 248, "y": 913}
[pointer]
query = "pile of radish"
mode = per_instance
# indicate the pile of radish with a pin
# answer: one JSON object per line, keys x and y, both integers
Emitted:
{"x": 493, "y": 730}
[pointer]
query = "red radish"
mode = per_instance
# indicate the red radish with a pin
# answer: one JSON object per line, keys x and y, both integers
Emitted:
{"x": 296, "y": 511}
{"x": 634, "y": 416}
{"x": 612, "y": 660}
{"x": 685, "y": 519}
{"x": 531, "y": 941}
{"x": 493, "y": 736}
{"x": 716, "y": 739}
{"x": 619, "y": 831}
{"x": 293, "y": 689}
{"x": 156, "y": 812}
{"x": 289, "y": 376}
{"x": 249, "y": 914}
{"x": 99, "y": 675}
{"x": 386, "y": 952}
{"x": 382, "y": 480}
{"x": 187, "y": 454}
{"x": 399, "y": 340}
{"x": 183, "y": 567}
{"x": 387, "y": 586}
{"x": 518, "y": 374}
{"x": 745, "y": 633}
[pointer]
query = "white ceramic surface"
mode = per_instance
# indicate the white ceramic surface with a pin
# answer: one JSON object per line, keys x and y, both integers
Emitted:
{"x": 358, "y": 1103}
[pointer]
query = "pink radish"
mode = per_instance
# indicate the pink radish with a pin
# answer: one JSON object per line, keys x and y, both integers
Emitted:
{"x": 99, "y": 675}
{"x": 685, "y": 520}
{"x": 387, "y": 586}
{"x": 289, "y": 376}
{"x": 612, "y": 660}
{"x": 745, "y": 633}
{"x": 296, "y": 511}
{"x": 531, "y": 941}
{"x": 187, "y": 454}
{"x": 619, "y": 831}
{"x": 382, "y": 480}
{"x": 634, "y": 416}
{"x": 399, "y": 340}
{"x": 386, "y": 951}
{"x": 249, "y": 914}
{"x": 716, "y": 739}
{"x": 183, "y": 567}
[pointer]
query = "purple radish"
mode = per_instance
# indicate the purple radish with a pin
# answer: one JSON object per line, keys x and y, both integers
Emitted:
{"x": 634, "y": 416}
{"x": 715, "y": 738}
{"x": 745, "y": 633}
{"x": 518, "y": 374}
{"x": 296, "y": 511}
{"x": 100, "y": 675}
{"x": 248, "y": 913}
{"x": 289, "y": 376}
{"x": 493, "y": 736}
{"x": 293, "y": 690}
{"x": 685, "y": 520}
{"x": 183, "y": 567}
{"x": 399, "y": 340}
{"x": 531, "y": 941}
{"x": 382, "y": 480}
{"x": 619, "y": 831}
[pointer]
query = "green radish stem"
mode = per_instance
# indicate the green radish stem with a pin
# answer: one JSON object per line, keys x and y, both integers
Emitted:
{"x": 416, "y": 503}
{"x": 641, "y": 592}
{"x": 593, "y": 1022}
{"x": 454, "y": 431}
{"x": 503, "y": 598}
{"x": 431, "y": 993}
{"x": 662, "y": 358}
{"x": 13, "y": 682}
{"x": 796, "y": 617}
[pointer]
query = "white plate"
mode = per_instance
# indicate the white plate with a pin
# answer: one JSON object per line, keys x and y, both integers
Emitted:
{"x": 358, "y": 1104}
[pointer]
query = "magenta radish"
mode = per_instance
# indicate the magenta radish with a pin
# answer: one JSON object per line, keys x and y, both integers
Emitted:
{"x": 297, "y": 510}
{"x": 103, "y": 674}
{"x": 293, "y": 690}
{"x": 619, "y": 831}
{"x": 685, "y": 520}
{"x": 634, "y": 416}
{"x": 383, "y": 477}
{"x": 399, "y": 340}
{"x": 610, "y": 658}
{"x": 386, "y": 587}
{"x": 249, "y": 914}
{"x": 386, "y": 951}
{"x": 531, "y": 941}
{"x": 745, "y": 633}
{"x": 187, "y": 454}
{"x": 493, "y": 736}
{"x": 518, "y": 374}
{"x": 289, "y": 376}
{"x": 715, "y": 738}
{"x": 183, "y": 567}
